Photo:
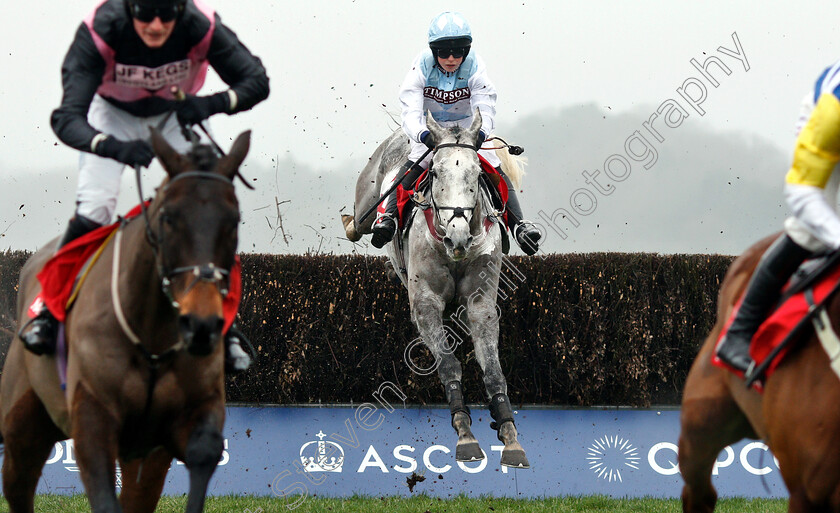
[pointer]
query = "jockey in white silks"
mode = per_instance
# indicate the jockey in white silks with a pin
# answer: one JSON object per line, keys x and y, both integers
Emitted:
{"x": 450, "y": 82}
{"x": 811, "y": 187}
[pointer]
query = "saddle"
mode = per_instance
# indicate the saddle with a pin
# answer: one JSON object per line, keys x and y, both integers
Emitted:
{"x": 803, "y": 303}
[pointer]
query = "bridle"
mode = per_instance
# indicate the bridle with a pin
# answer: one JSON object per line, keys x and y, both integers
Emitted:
{"x": 456, "y": 211}
{"x": 208, "y": 272}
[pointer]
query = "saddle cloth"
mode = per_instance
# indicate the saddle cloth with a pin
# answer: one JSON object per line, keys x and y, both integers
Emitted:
{"x": 58, "y": 277}
{"x": 793, "y": 307}
{"x": 404, "y": 203}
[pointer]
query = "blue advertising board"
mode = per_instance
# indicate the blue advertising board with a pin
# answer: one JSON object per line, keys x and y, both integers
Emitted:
{"x": 309, "y": 451}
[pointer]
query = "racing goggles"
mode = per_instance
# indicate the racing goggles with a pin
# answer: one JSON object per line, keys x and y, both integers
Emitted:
{"x": 147, "y": 14}
{"x": 444, "y": 53}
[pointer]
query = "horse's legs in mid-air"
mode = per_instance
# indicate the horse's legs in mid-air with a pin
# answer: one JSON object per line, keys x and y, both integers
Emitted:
{"x": 427, "y": 312}
{"x": 143, "y": 480}
{"x": 200, "y": 445}
{"x": 94, "y": 432}
{"x": 710, "y": 420}
{"x": 29, "y": 435}
{"x": 480, "y": 287}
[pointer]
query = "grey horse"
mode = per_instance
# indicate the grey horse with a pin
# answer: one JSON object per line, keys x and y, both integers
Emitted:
{"x": 450, "y": 256}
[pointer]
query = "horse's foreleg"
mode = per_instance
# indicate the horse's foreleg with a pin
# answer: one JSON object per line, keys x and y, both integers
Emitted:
{"x": 709, "y": 421}
{"x": 143, "y": 481}
{"x": 29, "y": 435}
{"x": 428, "y": 316}
{"x": 467, "y": 448}
{"x": 94, "y": 432}
{"x": 202, "y": 449}
{"x": 484, "y": 324}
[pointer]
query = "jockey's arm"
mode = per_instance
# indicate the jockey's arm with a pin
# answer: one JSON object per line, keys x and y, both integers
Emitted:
{"x": 238, "y": 68}
{"x": 816, "y": 154}
{"x": 411, "y": 100}
{"x": 81, "y": 75}
{"x": 483, "y": 96}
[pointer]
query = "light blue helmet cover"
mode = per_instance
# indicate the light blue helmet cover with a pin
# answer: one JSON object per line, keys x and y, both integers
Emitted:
{"x": 447, "y": 26}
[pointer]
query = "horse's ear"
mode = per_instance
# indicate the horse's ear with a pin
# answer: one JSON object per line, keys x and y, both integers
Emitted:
{"x": 436, "y": 131}
{"x": 172, "y": 161}
{"x": 229, "y": 164}
{"x": 472, "y": 131}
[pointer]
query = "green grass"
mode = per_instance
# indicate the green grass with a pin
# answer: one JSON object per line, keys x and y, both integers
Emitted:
{"x": 422, "y": 504}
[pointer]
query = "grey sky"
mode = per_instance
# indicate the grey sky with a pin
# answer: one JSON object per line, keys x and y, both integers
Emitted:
{"x": 334, "y": 64}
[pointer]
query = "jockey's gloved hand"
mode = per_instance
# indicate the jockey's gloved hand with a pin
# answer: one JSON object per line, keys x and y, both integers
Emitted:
{"x": 481, "y": 138}
{"x": 133, "y": 153}
{"x": 195, "y": 109}
{"x": 427, "y": 139}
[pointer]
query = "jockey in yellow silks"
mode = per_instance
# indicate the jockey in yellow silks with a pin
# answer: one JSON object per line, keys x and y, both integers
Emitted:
{"x": 811, "y": 188}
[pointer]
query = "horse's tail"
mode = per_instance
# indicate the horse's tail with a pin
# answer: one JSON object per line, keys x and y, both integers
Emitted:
{"x": 512, "y": 165}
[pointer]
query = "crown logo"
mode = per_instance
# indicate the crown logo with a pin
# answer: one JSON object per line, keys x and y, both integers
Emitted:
{"x": 321, "y": 456}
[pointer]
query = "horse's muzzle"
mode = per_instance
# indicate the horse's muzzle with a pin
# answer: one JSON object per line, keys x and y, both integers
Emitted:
{"x": 200, "y": 334}
{"x": 457, "y": 250}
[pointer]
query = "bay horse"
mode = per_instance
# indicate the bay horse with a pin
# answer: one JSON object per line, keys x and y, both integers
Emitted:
{"x": 450, "y": 257}
{"x": 797, "y": 415}
{"x": 145, "y": 371}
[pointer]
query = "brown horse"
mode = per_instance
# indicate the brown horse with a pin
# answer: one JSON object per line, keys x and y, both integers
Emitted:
{"x": 797, "y": 415}
{"x": 145, "y": 375}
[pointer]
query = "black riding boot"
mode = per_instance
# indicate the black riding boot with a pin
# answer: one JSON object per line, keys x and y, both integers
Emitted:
{"x": 501, "y": 412}
{"x": 526, "y": 234}
{"x": 385, "y": 225}
{"x": 773, "y": 271}
{"x": 39, "y": 334}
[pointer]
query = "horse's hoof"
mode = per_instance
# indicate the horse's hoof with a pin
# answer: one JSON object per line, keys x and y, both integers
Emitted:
{"x": 469, "y": 451}
{"x": 350, "y": 227}
{"x": 515, "y": 458}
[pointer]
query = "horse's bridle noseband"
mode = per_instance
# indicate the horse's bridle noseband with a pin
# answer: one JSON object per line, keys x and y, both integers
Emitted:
{"x": 208, "y": 272}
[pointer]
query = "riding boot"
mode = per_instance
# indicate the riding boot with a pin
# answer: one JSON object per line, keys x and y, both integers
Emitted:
{"x": 237, "y": 359}
{"x": 40, "y": 333}
{"x": 526, "y": 234}
{"x": 774, "y": 269}
{"x": 455, "y": 396}
{"x": 385, "y": 226}
{"x": 501, "y": 412}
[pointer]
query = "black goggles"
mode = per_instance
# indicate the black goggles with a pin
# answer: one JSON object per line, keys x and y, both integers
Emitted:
{"x": 444, "y": 53}
{"x": 148, "y": 14}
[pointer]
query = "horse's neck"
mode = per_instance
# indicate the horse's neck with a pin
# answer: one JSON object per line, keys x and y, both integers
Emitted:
{"x": 139, "y": 288}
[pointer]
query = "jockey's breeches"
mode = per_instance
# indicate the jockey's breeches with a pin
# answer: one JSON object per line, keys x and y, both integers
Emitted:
{"x": 99, "y": 177}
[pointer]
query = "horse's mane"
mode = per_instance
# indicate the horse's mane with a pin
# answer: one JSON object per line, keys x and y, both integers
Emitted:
{"x": 203, "y": 157}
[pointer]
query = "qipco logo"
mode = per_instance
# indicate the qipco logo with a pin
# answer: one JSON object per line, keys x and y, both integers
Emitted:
{"x": 755, "y": 458}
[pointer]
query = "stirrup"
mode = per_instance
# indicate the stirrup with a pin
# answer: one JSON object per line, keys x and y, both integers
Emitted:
{"x": 238, "y": 359}
{"x": 748, "y": 374}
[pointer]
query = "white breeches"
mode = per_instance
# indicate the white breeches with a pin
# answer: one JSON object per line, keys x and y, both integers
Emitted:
{"x": 99, "y": 177}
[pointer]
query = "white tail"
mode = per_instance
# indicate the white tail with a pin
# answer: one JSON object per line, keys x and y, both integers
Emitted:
{"x": 512, "y": 165}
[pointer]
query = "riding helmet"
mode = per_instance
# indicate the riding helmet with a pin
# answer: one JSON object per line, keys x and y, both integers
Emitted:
{"x": 450, "y": 30}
